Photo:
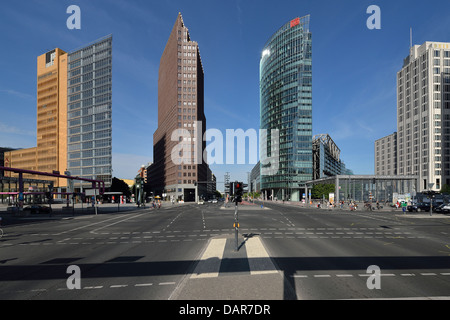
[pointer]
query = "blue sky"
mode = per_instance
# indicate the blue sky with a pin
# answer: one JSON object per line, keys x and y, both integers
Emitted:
{"x": 354, "y": 68}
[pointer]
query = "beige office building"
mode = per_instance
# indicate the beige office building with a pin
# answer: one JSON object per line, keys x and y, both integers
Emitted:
{"x": 423, "y": 119}
{"x": 386, "y": 155}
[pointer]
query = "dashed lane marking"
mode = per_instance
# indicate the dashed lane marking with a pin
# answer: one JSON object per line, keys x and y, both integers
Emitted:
{"x": 362, "y": 275}
{"x": 96, "y": 287}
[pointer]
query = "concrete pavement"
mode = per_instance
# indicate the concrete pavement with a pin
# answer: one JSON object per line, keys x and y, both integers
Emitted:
{"x": 61, "y": 211}
{"x": 346, "y": 208}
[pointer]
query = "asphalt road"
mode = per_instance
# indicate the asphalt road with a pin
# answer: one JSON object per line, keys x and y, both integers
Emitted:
{"x": 188, "y": 252}
{"x": 326, "y": 254}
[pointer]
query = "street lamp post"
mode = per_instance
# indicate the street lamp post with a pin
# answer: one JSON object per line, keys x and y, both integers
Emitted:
{"x": 140, "y": 186}
{"x": 431, "y": 194}
{"x": 139, "y": 190}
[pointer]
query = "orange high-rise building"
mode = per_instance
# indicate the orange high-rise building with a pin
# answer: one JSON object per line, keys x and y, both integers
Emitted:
{"x": 51, "y": 151}
{"x": 74, "y": 116}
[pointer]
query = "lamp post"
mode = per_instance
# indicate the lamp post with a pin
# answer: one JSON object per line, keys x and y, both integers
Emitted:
{"x": 140, "y": 186}
{"x": 139, "y": 190}
{"x": 431, "y": 194}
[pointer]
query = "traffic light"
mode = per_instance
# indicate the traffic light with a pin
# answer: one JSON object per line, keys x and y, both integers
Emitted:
{"x": 430, "y": 193}
{"x": 230, "y": 187}
{"x": 238, "y": 191}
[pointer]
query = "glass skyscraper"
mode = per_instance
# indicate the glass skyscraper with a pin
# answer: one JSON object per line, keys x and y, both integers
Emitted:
{"x": 286, "y": 105}
{"x": 89, "y": 111}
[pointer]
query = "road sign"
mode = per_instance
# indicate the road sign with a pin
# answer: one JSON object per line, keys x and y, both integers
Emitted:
{"x": 90, "y": 192}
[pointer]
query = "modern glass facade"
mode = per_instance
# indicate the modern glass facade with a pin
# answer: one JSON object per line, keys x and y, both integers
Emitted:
{"x": 286, "y": 105}
{"x": 326, "y": 157}
{"x": 361, "y": 188}
{"x": 89, "y": 111}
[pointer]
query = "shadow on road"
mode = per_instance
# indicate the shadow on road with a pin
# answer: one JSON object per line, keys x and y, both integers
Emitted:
{"x": 121, "y": 267}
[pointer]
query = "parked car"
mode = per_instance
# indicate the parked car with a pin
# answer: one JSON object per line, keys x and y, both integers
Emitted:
{"x": 440, "y": 208}
{"x": 37, "y": 208}
{"x": 445, "y": 208}
{"x": 214, "y": 201}
{"x": 419, "y": 207}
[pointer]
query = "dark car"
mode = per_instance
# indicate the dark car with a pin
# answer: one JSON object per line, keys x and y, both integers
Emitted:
{"x": 418, "y": 207}
{"x": 439, "y": 208}
{"x": 36, "y": 208}
{"x": 445, "y": 208}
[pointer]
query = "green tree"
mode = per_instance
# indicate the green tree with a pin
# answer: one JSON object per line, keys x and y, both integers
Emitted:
{"x": 321, "y": 190}
{"x": 445, "y": 189}
{"x": 119, "y": 185}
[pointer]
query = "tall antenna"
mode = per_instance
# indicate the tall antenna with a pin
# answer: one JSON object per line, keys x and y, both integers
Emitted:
{"x": 410, "y": 38}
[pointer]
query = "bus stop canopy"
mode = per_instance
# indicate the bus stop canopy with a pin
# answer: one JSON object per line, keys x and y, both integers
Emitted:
{"x": 367, "y": 187}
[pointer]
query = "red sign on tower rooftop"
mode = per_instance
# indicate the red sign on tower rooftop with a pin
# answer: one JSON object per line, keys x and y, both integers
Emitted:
{"x": 295, "y": 22}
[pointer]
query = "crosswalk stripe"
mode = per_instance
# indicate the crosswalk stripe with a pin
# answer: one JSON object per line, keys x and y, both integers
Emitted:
{"x": 259, "y": 260}
{"x": 209, "y": 264}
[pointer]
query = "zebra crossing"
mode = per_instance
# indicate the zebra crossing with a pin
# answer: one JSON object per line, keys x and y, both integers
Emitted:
{"x": 220, "y": 258}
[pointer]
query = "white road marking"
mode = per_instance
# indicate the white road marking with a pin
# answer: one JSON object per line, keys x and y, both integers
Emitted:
{"x": 258, "y": 258}
{"x": 143, "y": 284}
{"x": 209, "y": 264}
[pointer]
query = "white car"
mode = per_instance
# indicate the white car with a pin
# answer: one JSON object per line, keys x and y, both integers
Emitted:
{"x": 201, "y": 202}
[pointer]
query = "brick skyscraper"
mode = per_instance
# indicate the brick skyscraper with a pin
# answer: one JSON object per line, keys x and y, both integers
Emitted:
{"x": 180, "y": 106}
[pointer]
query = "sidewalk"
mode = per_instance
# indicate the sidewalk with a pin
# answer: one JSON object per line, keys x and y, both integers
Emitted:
{"x": 60, "y": 211}
{"x": 346, "y": 208}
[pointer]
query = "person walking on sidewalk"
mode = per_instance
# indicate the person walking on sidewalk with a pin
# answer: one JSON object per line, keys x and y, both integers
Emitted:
{"x": 404, "y": 204}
